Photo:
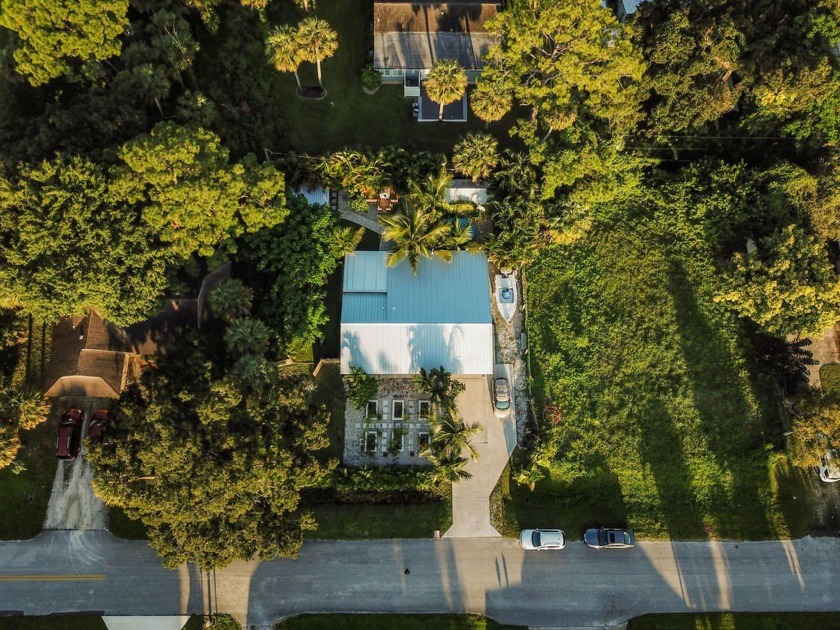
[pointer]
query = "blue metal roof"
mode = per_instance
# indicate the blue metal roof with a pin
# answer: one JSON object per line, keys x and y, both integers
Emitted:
{"x": 363, "y": 307}
{"x": 457, "y": 292}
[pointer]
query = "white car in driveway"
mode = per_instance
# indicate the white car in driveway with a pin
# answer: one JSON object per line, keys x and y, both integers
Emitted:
{"x": 542, "y": 539}
{"x": 501, "y": 397}
{"x": 829, "y": 468}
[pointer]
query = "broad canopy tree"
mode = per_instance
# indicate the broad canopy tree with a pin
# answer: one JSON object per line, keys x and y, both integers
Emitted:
{"x": 60, "y": 37}
{"x": 76, "y": 236}
{"x": 213, "y": 467}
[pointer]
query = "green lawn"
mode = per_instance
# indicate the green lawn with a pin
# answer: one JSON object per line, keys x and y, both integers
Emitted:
{"x": 259, "y": 108}
{"x": 53, "y": 622}
{"x": 830, "y": 379}
{"x": 664, "y": 426}
{"x": 392, "y": 520}
{"x": 330, "y": 392}
{"x": 738, "y": 621}
{"x": 24, "y": 496}
{"x": 392, "y": 622}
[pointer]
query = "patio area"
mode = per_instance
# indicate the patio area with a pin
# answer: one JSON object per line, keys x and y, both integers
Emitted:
{"x": 393, "y": 429}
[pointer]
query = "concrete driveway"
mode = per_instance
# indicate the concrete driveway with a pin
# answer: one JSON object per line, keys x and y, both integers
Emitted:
{"x": 73, "y": 571}
{"x": 495, "y": 443}
{"x": 73, "y": 504}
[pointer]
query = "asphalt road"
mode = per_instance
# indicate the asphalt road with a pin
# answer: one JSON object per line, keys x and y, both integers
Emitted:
{"x": 61, "y": 571}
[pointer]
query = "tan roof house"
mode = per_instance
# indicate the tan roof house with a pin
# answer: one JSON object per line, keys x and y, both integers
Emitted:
{"x": 89, "y": 358}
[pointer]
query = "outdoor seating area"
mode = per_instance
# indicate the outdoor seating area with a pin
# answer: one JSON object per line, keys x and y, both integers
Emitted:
{"x": 392, "y": 429}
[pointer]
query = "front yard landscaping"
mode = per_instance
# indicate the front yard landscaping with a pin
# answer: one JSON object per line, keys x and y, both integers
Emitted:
{"x": 664, "y": 421}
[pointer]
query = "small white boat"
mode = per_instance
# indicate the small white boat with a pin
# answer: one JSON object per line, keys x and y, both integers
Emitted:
{"x": 506, "y": 298}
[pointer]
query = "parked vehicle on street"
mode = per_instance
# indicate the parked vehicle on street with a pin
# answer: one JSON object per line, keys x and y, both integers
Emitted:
{"x": 607, "y": 538}
{"x": 542, "y": 539}
{"x": 829, "y": 468}
{"x": 69, "y": 434}
{"x": 501, "y": 397}
{"x": 100, "y": 420}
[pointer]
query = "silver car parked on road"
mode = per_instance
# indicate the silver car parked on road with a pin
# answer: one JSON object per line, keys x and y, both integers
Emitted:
{"x": 542, "y": 539}
{"x": 606, "y": 538}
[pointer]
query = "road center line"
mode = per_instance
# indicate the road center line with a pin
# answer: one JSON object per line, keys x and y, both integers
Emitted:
{"x": 52, "y": 578}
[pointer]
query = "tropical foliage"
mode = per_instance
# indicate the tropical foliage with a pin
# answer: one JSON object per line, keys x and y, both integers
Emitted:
{"x": 446, "y": 83}
{"x": 213, "y": 468}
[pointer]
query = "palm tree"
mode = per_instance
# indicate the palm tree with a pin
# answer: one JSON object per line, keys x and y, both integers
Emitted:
{"x": 247, "y": 336}
{"x": 9, "y": 445}
{"x": 284, "y": 50}
{"x": 449, "y": 467}
{"x": 451, "y": 434}
{"x": 476, "y": 155}
{"x": 440, "y": 387}
{"x": 490, "y": 102}
{"x": 345, "y": 240}
{"x": 152, "y": 82}
{"x": 415, "y": 233}
{"x": 230, "y": 299}
{"x": 446, "y": 83}
{"x": 25, "y": 408}
{"x": 430, "y": 193}
{"x": 317, "y": 41}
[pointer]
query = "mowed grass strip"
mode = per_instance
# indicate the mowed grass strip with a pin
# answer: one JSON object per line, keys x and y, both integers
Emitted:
{"x": 663, "y": 428}
{"x": 738, "y": 621}
{"x": 391, "y": 520}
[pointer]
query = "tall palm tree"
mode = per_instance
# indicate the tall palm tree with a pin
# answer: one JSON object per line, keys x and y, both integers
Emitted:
{"x": 430, "y": 193}
{"x": 25, "y": 408}
{"x": 446, "y": 83}
{"x": 284, "y": 50}
{"x": 451, "y": 433}
{"x": 440, "y": 387}
{"x": 318, "y": 41}
{"x": 230, "y": 299}
{"x": 476, "y": 155}
{"x": 490, "y": 102}
{"x": 415, "y": 233}
{"x": 247, "y": 336}
{"x": 345, "y": 240}
{"x": 151, "y": 81}
{"x": 448, "y": 467}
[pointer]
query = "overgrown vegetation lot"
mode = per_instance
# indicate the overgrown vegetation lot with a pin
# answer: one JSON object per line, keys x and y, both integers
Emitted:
{"x": 666, "y": 425}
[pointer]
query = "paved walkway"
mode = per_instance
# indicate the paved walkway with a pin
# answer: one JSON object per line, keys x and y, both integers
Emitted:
{"x": 471, "y": 497}
{"x": 93, "y": 571}
{"x": 367, "y": 220}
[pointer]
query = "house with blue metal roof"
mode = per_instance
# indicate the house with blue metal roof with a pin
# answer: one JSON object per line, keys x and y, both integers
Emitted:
{"x": 394, "y": 323}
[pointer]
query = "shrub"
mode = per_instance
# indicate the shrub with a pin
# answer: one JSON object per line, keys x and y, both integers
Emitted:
{"x": 362, "y": 387}
{"x": 371, "y": 77}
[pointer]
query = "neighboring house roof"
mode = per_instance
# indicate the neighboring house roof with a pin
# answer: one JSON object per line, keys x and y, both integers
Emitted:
{"x": 465, "y": 189}
{"x": 415, "y": 35}
{"x": 89, "y": 357}
{"x": 629, "y": 7}
{"x": 393, "y": 322}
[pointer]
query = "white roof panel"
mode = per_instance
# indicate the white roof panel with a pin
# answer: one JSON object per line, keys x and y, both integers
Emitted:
{"x": 405, "y": 348}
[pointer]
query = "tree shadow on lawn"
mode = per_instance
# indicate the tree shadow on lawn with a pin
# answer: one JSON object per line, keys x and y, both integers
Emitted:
{"x": 732, "y": 428}
{"x": 593, "y": 499}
